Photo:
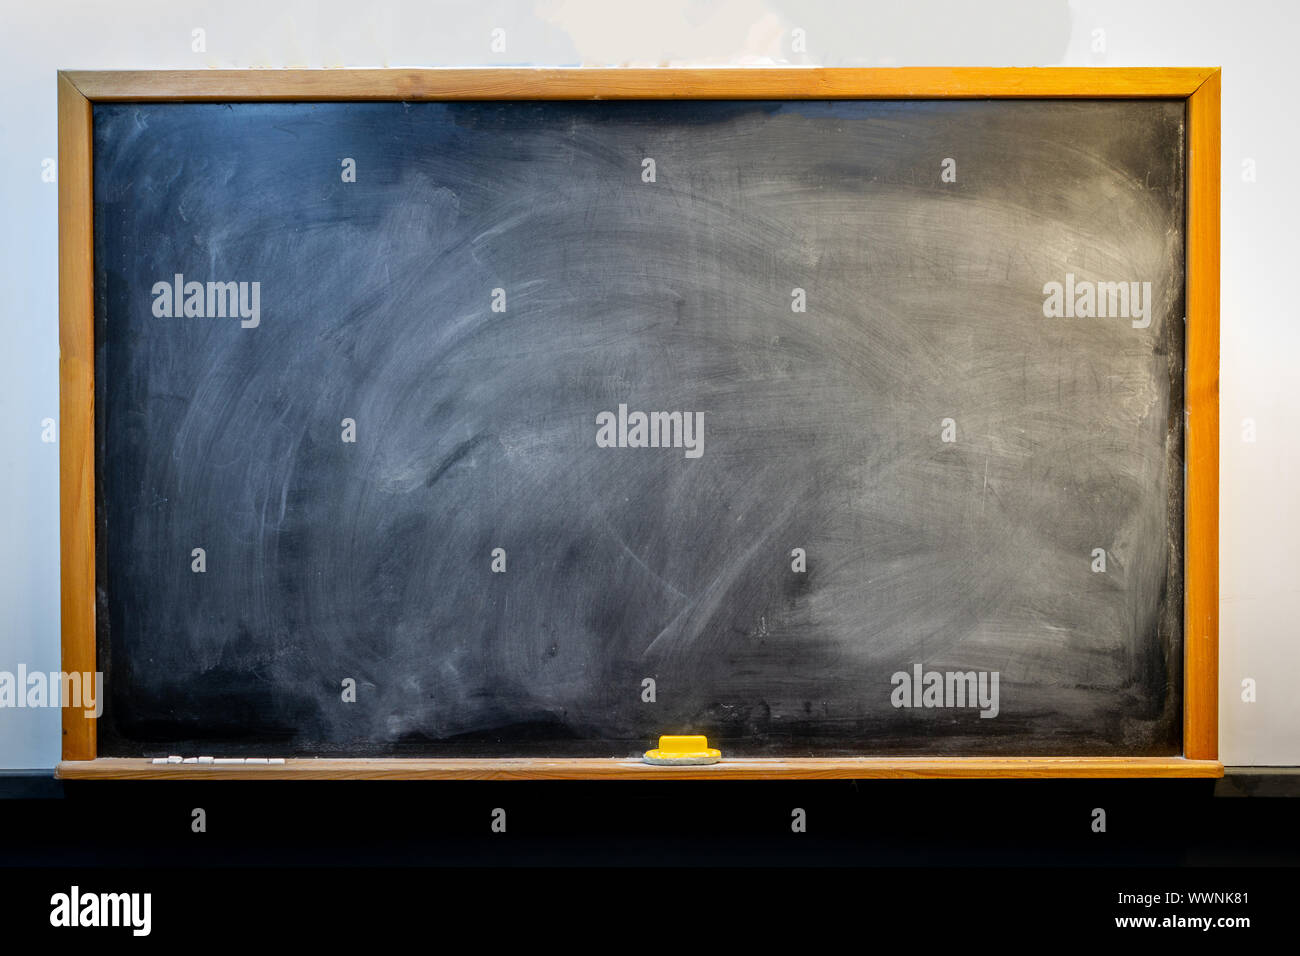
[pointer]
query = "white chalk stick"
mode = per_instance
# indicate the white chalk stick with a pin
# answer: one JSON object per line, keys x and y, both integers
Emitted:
{"x": 173, "y": 759}
{"x": 190, "y": 760}
{"x": 256, "y": 760}
{"x": 276, "y": 760}
{"x": 228, "y": 760}
{"x": 159, "y": 759}
{"x": 205, "y": 760}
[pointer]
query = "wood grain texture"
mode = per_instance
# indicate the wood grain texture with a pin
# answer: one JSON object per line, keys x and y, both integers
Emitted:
{"x": 76, "y": 408}
{"x": 811, "y": 768}
{"x": 1200, "y": 712}
{"x": 578, "y": 83}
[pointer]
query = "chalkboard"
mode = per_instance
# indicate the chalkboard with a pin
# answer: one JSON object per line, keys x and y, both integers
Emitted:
{"x": 543, "y": 428}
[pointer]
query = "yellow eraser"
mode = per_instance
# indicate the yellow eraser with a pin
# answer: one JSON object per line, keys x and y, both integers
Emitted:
{"x": 683, "y": 744}
{"x": 684, "y": 749}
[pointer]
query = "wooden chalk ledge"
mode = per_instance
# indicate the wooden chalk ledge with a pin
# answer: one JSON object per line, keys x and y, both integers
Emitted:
{"x": 517, "y": 768}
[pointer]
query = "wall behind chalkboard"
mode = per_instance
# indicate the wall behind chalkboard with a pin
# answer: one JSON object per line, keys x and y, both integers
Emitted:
{"x": 904, "y": 462}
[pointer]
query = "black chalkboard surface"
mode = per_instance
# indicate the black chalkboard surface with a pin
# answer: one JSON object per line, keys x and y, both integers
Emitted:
{"x": 545, "y": 428}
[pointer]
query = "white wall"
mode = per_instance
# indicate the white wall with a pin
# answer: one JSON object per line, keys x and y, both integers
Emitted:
{"x": 1252, "y": 41}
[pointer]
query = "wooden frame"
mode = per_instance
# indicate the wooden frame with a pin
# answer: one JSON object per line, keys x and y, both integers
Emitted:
{"x": 1200, "y": 87}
